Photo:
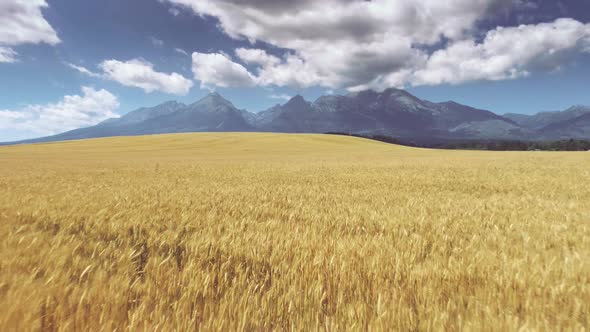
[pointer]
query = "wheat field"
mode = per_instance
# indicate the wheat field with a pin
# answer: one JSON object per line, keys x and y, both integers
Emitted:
{"x": 264, "y": 232}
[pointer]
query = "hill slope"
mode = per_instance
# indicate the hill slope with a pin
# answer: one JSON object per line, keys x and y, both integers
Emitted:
{"x": 541, "y": 120}
{"x": 578, "y": 127}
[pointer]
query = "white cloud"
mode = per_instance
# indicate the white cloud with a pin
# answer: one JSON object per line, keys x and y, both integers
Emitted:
{"x": 257, "y": 56}
{"x": 21, "y": 22}
{"x": 11, "y": 115}
{"x": 371, "y": 44}
{"x": 355, "y": 44}
{"x": 506, "y": 53}
{"x": 174, "y": 11}
{"x": 141, "y": 74}
{"x": 217, "y": 69}
{"x": 180, "y": 51}
{"x": 280, "y": 96}
{"x": 289, "y": 23}
{"x": 526, "y": 4}
{"x": 7, "y": 55}
{"x": 291, "y": 70}
{"x": 70, "y": 113}
{"x": 82, "y": 69}
{"x": 156, "y": 42}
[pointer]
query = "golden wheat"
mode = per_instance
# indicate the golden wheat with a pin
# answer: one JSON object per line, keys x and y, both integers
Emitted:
{"x": 290, "y": 232}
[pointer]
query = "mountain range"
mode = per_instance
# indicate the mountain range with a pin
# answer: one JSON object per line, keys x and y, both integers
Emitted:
{"x": 393, "y": 112}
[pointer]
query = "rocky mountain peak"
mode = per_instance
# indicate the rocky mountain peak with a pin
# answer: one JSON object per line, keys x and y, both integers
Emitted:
{"x": 297, "y": 102}
{"x": 212, "y": 101}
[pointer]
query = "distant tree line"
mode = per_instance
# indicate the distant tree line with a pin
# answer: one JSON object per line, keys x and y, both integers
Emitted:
{"x": 491, "y": 145}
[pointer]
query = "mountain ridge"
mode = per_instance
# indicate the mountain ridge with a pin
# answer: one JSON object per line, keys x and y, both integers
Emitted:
{"x": 392, "y": 112}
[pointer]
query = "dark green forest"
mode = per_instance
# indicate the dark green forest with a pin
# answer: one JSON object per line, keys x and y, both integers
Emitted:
{"x": 491, "y": 145}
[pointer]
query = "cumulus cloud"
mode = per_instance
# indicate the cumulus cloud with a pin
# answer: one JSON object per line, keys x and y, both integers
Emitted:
{"x": 257, "y": 56}
{"x": 288, "y": 23}
{"x": 353, "y": 45}
{"x": 217, "y": 69}
{"x": 141, "y": 74}
{"x": 72, "y": 112}
{"x": 365, "y": 44}
{"x": 7, "y": 55}
{"x": 291, "y": 70}
{"x": 506, "y": 53}
{"x": 21, "y": 22}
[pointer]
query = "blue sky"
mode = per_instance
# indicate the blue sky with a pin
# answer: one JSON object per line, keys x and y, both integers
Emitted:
{"x": 66, "y": 64}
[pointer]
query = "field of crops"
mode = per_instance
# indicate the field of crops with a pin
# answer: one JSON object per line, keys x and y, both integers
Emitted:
{"x": 291, "y": 232}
